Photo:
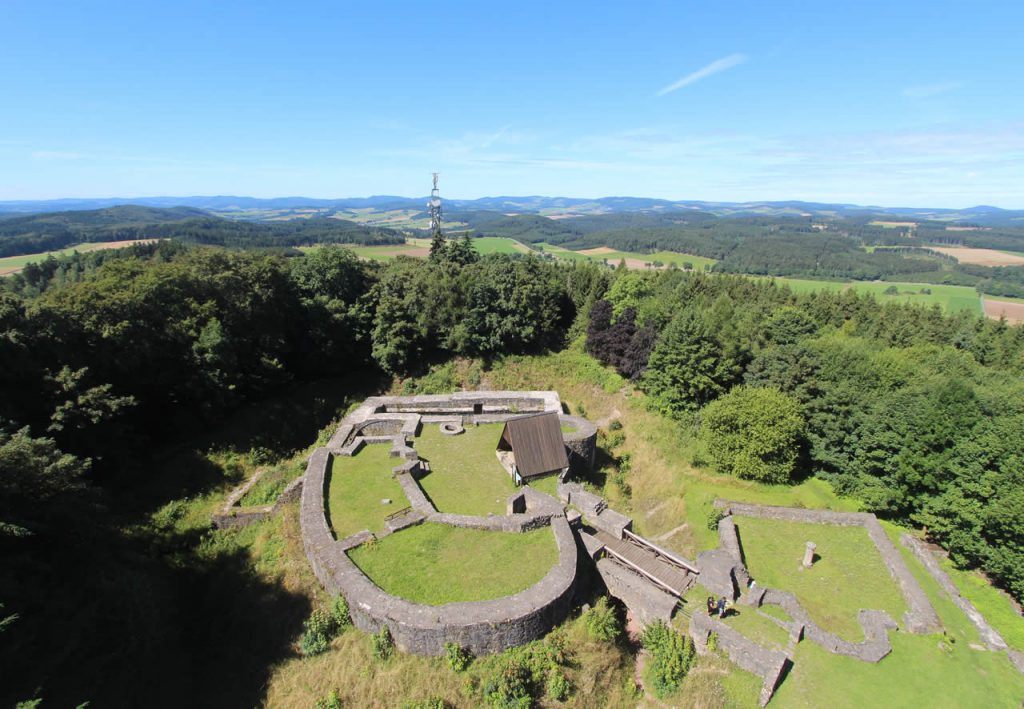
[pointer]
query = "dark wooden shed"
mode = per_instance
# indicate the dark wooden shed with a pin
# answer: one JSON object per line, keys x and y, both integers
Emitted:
{"x": 536, "y": 444}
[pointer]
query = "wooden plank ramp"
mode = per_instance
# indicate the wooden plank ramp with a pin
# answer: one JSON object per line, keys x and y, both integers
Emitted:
{"x": 663, "y": 571}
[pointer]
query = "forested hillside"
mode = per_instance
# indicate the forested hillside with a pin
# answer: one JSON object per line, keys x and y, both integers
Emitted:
{"x": 45, "y": 232}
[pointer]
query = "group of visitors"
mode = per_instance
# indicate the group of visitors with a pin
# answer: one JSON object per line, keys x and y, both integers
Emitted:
{"x": 716, "y": 607}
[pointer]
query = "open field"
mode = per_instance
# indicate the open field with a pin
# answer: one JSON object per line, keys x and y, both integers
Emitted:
{"x": 1012, "y": 310}
{"x": 420, "y": 248}
{"x": 438, "y": 564}
{"x": 980, "y": 257}
{"x": 13, "y": 264}
{"x": 355, "y": 490}
{"x": 951, "y": 298}
{"x": 848, "y": 576}
{"x": 465, "y": 476}
{"x": 633, "y": 259}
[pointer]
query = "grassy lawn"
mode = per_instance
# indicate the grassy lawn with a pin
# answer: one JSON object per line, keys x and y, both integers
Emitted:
{"x": 465, "y": 475}
{"x": 850, "y": 574}
{"x": 356, "y": 488}
{"x": 548, "y": 485}
{"x": 437, "y": 564}
{"x": 992, "y": 603}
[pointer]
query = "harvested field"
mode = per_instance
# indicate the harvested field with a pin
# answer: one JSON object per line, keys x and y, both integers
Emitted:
{"x": 14, "y": 264}
{"x": 893, "y": 225}
{"x": 1013, "y": 311}
{"x": 599, "y": 251}
{"x": 980, "y": 257}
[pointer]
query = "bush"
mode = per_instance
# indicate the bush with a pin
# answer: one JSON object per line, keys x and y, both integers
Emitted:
{"x": 317, "y": 634}
{"x": 340, "y": 615}
{"x": 754, "y": 433}
{"x": 382, "y": 644}
{"x": 615, "y": 425}
{"x": 331, "y": 701}
{"x": 322, "y": 626}
{"x": 458, "y": 657}
{"x": 715, "y": 516}
{"x": 558, "y": 686}
{"x": 509, "y": 686}
{"x": 603, "y": 622}
{"x": 431, "y": 703}
{"x": 671, "y": 657}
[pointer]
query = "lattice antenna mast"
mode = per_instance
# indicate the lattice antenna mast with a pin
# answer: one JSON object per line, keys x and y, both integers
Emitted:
{"x": 435, "y": 209}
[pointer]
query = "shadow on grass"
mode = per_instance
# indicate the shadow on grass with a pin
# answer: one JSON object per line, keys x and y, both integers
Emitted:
{"x": 115, "y": 620}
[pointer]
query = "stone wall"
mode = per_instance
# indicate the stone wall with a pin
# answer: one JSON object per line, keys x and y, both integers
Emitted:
{"x": 482, "y": 626}
{"x": 989, "y": 635}
{"x": 920, "y": 617}
{"x": 581, "y": 444}
{"x": 766, "y": 663}
{"x": 232, "y": 514}
{"x": 876, "y": 625}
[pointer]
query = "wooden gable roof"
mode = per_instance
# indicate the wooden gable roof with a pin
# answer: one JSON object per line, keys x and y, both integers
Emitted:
{"x": 536, "y": 442}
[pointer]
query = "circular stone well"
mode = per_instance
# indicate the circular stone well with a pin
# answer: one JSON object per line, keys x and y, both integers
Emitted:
{"x": 451, "y": 428}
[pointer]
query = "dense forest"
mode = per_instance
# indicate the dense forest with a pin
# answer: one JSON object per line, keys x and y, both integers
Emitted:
{"x": 108, "y": 357}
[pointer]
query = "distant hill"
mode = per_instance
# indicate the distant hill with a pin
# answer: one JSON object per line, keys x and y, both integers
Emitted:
{"x": 234, "y": 205}
{"x": 35, "y": 233}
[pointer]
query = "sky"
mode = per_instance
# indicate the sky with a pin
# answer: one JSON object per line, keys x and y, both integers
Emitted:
{"x": 896, "y": 103}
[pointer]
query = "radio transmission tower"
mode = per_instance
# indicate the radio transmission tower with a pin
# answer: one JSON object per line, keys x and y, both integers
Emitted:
{"x": 435, "y": 210}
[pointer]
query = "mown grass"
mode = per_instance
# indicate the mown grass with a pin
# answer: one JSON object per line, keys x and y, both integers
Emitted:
{"x": 465, "y": 476}
{"x": 848, "y": 576}
{"x": 498, "y": 245}
{"x": 991, "y": 602}
{"x": 357, "y": 486}
{"x": 437, "y": 564}
{"x": 548, "y": 485}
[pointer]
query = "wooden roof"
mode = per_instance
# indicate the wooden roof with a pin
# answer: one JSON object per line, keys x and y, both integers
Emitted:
{"x": 536, "y": 441}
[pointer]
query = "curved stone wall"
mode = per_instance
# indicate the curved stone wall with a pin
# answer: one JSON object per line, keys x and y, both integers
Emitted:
{"x": 480, "y": 626}
{"x": 581, "y": 443}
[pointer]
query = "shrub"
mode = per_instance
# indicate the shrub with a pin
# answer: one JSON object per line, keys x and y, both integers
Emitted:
{"x": 671, "y": 657}
{"x": 331, "y": 701}
{"x": 458, "y": 657}
{"x": 382, "y": 644}
{"x": 509, "y": 686}
{"x": 319, "y": 629}
{"x": 715, "y": 516}
{"x": 340, "y": 615}
{"x": 431, "y": 703}
{"x": 602, "y": 621}
{"x": 558, "y": 686}
{"x": 615, "y": 425}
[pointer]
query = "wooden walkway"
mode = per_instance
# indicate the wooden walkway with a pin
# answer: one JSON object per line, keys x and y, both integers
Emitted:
{"x": 634, "y": 552}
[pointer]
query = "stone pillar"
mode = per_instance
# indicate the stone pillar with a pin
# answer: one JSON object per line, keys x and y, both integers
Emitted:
{"x": 809, "y": 554}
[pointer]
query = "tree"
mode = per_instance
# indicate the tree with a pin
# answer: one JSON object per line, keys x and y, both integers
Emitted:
{"x": 688, "y": 367}
{"x": 754, "y": 433}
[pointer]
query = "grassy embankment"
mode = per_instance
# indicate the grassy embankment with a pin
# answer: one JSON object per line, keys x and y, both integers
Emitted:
{"x": 438, "y": 564}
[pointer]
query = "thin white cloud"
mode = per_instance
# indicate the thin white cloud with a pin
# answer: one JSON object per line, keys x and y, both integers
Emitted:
{"x": 711, "y": 69}
{"x": 927, "y": 90}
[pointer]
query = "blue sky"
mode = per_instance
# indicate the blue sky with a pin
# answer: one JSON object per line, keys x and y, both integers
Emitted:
{"x": 890, "y": 103}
